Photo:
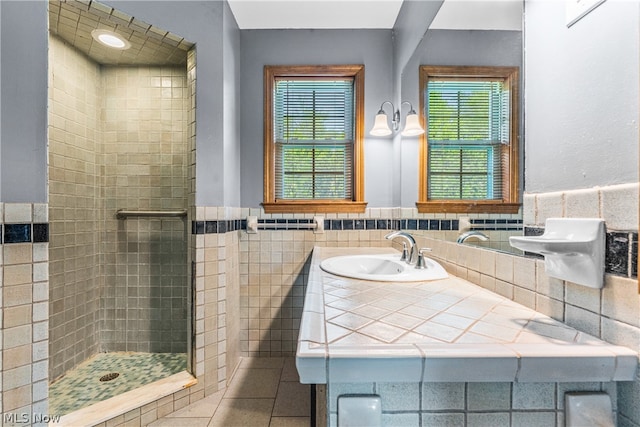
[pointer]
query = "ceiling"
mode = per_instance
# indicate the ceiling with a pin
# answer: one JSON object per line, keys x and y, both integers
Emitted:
{"x": 336, "y": 14}
{"x": 73, "y": 21}
{"x": 316, "y": 14}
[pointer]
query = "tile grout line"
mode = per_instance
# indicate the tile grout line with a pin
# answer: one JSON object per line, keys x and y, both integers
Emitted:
{"x": 275, "y": 398}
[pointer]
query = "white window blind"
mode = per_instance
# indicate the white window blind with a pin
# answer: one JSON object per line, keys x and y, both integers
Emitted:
{"x": 468, "y": 130}
{"x": 314, "y": 135}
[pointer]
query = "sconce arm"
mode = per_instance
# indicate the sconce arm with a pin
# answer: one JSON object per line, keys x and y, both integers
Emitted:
{"x": 411, "y": 110}
{"x": 395, "y": 118}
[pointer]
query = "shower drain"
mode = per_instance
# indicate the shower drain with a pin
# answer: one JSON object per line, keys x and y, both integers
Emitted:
{"x": 110, "y": 376}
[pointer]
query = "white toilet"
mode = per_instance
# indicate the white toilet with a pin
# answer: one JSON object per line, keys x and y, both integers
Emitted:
{"x": 588, "y": 409}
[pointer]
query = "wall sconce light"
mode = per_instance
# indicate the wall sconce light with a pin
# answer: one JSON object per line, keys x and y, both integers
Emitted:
{"x": 411, "y": 126}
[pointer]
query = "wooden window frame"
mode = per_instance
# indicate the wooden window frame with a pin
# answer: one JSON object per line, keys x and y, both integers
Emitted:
{"x": 510, "y": 202}
{"x": 273, "y": 205}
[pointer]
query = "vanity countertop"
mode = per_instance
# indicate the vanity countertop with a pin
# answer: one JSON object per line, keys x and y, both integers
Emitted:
{"x": 447, "y": 330}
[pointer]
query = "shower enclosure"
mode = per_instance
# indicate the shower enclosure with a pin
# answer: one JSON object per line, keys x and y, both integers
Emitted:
{"x": 120, "y": 156}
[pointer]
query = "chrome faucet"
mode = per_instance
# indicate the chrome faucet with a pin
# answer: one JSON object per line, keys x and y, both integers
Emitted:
{"x": 412, "y": 245}
{"x": 472, "y": 234}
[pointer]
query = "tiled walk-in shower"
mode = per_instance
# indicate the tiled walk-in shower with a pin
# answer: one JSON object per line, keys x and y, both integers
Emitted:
{"x": 119, "y": 139}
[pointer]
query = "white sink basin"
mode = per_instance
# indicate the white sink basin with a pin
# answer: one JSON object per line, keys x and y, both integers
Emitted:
{"x": 382, "y": 268}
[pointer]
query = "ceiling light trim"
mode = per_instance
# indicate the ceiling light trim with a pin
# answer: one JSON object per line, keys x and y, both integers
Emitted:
{"x": 110, "y": 39}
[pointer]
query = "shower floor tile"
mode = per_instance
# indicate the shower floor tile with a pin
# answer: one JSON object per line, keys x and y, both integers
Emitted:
{"x": 82, "y": 387}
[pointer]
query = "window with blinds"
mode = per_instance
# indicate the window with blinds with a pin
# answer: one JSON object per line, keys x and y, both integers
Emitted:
{"x": 468, "y": 125}
{"x": 313, "y": 125}
{"x": 470, "y": 150}
{"x": 314, "y": 139}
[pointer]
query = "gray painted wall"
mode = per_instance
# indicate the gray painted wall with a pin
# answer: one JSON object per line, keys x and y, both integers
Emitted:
{"x": 450, "y": 47}
{"x": 232, "y": 117}
{"x": 582, "y": 110}
{"x": 410, "y": 28}
{"x": 373, "y": 48}
{"x": 23, "y": 126}
{"x": 0, "y": 104}
{"x": 593, "y": 143}
{"x": 581, "y": 96}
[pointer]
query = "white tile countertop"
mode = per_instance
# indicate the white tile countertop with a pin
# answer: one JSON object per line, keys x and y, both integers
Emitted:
{"x": 447, "y": 330}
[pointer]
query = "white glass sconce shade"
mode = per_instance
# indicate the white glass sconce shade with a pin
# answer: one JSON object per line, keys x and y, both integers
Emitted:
{"x": 381, "y": 126}
{"x": 412, "y": 125}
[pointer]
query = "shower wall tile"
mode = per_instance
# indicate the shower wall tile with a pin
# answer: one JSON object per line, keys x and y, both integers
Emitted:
{"x": 146, "y": 150}
{"x": 75, "y": 208}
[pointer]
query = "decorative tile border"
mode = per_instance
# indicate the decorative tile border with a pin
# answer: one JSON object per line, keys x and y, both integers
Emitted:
{"x": 217, "y": 227}
{"x": 287, "y": 224}
{"x": 225, "y": 226}
{"x": 361, "y": 224}
{"x": 430, "y": 224}
{"x": 621, "y": 257}
{"x": 496, "y": 224}
{"x": 25, "y": 233}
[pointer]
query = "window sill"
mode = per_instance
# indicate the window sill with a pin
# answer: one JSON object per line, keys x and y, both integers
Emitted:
{"x": 472, "y": 206}
{"x": 314, "y": 206}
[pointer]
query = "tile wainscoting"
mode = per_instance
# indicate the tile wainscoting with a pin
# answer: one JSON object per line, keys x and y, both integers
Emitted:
{"x": 273, "y": 263}
{"x": 25, "y": 312}
{"x": 252, "y": 287}
{"x": 614, "y": 311}
{"x": 273, "y": 268}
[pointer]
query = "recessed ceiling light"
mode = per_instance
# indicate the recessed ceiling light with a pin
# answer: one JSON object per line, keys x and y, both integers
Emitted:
{"x": 110, "y": 39}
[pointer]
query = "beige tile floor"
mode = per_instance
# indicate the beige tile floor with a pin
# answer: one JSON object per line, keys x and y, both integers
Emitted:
{"x": 264, "y": 392}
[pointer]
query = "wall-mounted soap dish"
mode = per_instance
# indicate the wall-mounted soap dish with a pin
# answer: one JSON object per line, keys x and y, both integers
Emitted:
{"x": 573, "y": 249}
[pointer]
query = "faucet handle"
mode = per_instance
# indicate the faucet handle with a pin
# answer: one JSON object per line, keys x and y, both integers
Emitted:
{"x": 405, "y": 253}
{"x": 421, "y": 263}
